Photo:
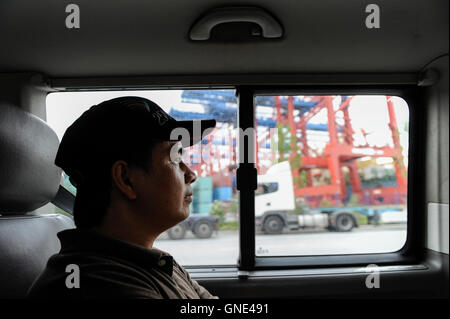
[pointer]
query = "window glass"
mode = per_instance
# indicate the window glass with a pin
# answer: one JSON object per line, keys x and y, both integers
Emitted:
{"x": 340, "y": 163}
{"x": 51, "y": 208}
{"x": 210, "y": 235}
{"x": 266, "y": 188}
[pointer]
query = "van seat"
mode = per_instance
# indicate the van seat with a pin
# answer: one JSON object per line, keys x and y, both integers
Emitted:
{"x": 28, "y": 180}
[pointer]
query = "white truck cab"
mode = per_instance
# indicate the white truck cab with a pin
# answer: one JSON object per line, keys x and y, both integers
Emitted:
{"x": 274, "y": 198}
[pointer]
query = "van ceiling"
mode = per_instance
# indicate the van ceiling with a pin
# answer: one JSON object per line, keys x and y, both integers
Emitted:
{"x": 136, "y": 37}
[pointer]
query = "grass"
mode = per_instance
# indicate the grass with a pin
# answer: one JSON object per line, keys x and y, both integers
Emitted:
{"x": 228, "y": 225}
{"x": 361, "y": 218}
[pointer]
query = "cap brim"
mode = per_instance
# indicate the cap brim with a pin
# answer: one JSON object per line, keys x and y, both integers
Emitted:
{"x": 197, "y": 130}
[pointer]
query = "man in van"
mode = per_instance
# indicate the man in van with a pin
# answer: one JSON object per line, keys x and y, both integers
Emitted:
{"x": 132, "y": 184}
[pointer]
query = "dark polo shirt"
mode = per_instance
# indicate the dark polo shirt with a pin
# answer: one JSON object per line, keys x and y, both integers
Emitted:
{"x": 110, "y": 268}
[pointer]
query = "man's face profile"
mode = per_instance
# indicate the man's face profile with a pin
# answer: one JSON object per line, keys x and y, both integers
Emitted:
{"x": 164, "y": 193}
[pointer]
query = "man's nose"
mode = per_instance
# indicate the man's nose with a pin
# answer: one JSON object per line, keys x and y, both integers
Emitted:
{"x": 190, "y": 175}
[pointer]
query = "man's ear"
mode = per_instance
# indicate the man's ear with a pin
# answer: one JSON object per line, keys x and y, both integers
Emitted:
{"x": 122, "y": 179}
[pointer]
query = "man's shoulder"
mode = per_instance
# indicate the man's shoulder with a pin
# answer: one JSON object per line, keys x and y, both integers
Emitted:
{"x": 92, "y": 275}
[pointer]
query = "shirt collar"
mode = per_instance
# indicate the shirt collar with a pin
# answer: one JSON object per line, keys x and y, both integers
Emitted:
{"x": 89, "y": 241}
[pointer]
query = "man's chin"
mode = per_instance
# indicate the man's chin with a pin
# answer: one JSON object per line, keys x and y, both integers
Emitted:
{"x": 178, "y": 217}
{"x": 182, "y": 215}
{"x": 186, "y": 214}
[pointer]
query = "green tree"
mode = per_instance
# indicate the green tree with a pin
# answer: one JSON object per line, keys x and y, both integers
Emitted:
{"x": 234, "y": 206}
{"x": 287, "y": 145}
{"x": 218, "y": 210}
{"x": 326, "y": 203}
{"x": 354, "y": 200}
{"x": 284, "y": 147}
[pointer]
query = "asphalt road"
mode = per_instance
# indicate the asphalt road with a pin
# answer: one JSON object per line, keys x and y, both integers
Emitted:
{"x": 222, "y": 248}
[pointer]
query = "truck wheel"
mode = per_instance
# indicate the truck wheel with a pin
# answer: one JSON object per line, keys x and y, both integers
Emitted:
{"x": 273, "y": 225}
{"x": 177, "y": 232}
{"x": 203, "y": 230}
{"x": 344, "y": 223}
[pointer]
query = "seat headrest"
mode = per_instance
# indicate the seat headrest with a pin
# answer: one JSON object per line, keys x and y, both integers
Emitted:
{"x": 29, "y": 178}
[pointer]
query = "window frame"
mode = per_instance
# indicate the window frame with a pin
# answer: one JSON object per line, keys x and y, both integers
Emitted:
{"x": 410, "y": 252}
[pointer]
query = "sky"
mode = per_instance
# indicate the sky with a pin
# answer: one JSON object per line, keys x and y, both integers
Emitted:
{"x": 370, "y": 113}
{"x": 63, "y": 108}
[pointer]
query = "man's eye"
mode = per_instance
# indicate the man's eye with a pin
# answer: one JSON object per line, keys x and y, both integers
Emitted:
{"x": 177, "y": 160}
{"x": 176, "y": 154}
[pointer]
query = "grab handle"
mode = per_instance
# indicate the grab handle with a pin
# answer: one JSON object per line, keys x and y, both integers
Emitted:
{"x": 201, "y": 30}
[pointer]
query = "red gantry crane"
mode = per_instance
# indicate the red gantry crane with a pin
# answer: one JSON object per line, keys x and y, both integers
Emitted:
{"x": 340, "y": 153}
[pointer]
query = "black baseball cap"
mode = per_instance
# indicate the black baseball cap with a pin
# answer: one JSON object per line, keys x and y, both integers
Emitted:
{"x": 108, "y": 131}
